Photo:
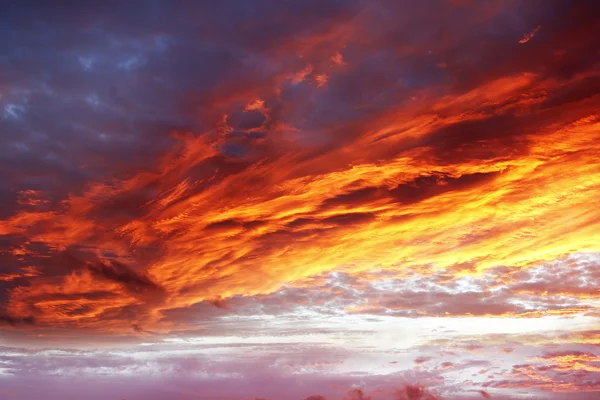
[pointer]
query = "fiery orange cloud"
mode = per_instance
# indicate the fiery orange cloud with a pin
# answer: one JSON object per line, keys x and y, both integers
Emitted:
{"x": 497, "y": 172}
{"x": 550, "y": 373}
{"x": 506, "y": 199}
{"x": 572, "y": 360}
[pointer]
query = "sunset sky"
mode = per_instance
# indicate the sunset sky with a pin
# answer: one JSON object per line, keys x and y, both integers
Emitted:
{"x": 300, "y": 200}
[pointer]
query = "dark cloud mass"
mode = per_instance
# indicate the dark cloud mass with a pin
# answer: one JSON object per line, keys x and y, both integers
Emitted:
{"x": 12, "y": 321}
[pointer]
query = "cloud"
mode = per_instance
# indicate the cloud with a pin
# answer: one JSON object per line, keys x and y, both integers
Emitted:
{"x": 241, "y": 169}
{"x": 422, "y": 359}
{"x": 122, "y": 274}
{"x": 528, "y": 36}
{"x": 16, "y": 321}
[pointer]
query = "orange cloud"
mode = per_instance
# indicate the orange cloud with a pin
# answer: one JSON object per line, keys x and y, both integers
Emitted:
{"x": 506, "y": 198}
{"x": 530, "y": 35}
{"x": 285, "y": 184}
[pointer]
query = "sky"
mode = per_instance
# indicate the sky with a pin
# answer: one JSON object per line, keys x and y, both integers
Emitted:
{"x": 300, "y": 200}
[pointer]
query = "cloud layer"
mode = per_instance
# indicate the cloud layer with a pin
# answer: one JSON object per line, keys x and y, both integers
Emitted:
{"x": 203, "y": 170}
